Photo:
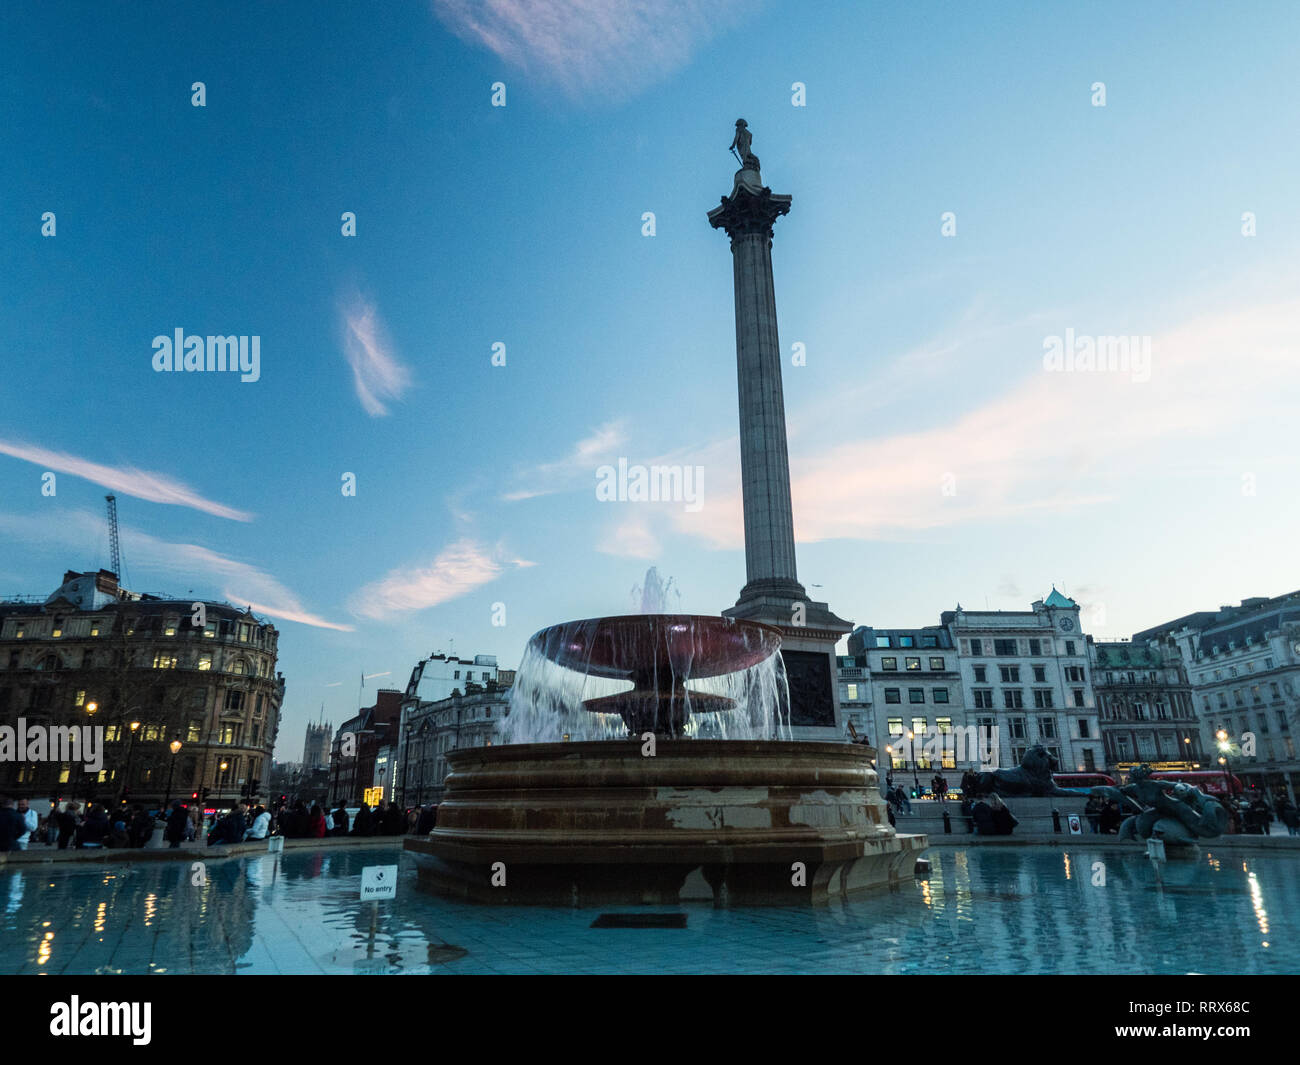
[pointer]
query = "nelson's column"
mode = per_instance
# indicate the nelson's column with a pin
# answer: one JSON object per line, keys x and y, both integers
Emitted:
{"x": 772, "y": 592}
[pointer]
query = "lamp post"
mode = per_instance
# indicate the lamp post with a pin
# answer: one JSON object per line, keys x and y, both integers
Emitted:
{"x": 911, "y": 740}
{"x": 171, "y": 767}
{"x": 219, "y": 779}
{"x": 1225, "y": 747}
{"x": 126, "y": 772}
{"x": 406, "y": 764}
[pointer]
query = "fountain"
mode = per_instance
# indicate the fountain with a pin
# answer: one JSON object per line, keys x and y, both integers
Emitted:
{"x": 660, "y": 815}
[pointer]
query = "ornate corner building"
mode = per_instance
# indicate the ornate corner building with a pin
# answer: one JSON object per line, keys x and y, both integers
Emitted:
{"x": 180, "y": 689}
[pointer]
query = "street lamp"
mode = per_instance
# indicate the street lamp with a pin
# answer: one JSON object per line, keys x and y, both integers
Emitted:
{"x": 130, "y": 750}
{"x": 171, "y": 767}
{"x": 911, "y": 737}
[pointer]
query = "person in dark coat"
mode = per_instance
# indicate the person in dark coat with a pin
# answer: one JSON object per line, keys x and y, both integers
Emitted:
{"x": 230, "y": 829}
{"x": 94, "y": 830}
{"x": 361, "y": 824}
{"x": 1092, "y": 811}
{"x": 394, "y": 820}
{"x": 1004, "y": 821}
{"x": 982, "y": 814}
{"x": 428, "y": 820}
{"x": 296, "y": 822}
{"x": 141, "y": 827}
{"x": 177, "y": 821}
{"x": 11, "y": 825}
{"x": 67, "y": 821}
{"x": 340, "y": 822}
{"x": 1110, "y": 819}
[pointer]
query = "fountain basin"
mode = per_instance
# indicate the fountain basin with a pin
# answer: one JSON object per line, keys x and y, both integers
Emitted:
{"x": 728, "y": 821}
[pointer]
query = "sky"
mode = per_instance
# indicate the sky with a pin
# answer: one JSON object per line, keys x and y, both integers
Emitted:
{"x": 936, "y": 456}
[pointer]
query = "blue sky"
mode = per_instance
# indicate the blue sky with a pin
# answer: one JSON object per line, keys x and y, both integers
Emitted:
{"x": 523, "y": 224}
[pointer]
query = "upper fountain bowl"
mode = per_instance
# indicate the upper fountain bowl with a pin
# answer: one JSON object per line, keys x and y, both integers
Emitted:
{"x": 682, "y": 646}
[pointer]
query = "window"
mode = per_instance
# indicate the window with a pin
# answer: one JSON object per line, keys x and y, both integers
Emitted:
{"x": 94, "y": 631}
{"x": 245, "y": 631}
{"x": 940, "y": 695}
{"x": 852, "y": 693}
{"x": 234, "y": 699}
{"x": 1013, "y": 698}
{"x": 906, "y": 641}
{"x": 1009, "y": 674}
{"x": 1047, "y": 728}
{"x": 983, "y": 698}
{"x": 192, "y": 732}
{"x": 1004, "y": 647}
{"x": 1069, "y": 647}
{"x": 170, "y": 628}
{"x": 889, "y": 663}
{"x": 80, "y": 700}
{"x": 936, "y": 664}
{"x": 456, "y": 675}
{"x": 205, "y": 663}
{"x": 1035, "y": 647}
{"x": 980, "y": 674}
{"x": 882, "y": 641}
{"x": 892, "y": 695}
{"x": 1074, "y": 674}
{"x": 916, "y": 695}
{"x": 1078, "y": 697}
{"x": 1084, "y": 733}
{"x": 976, "y": 647}
{"x": 913, "y": 663}
{"x": 1268, "y": 663}
{"x": 1017, "y": 727}
{"x": 1255, "y": 695}
{"x": 162, "y": 660}
{"x": 1042, "y": 698}
{"x": 57, "y": 631}
{"x": 1040, "y": 674}
{"x": 929, "y": 641}
{"x": 239, "y": 667}
{"x": 1223, "y": 700}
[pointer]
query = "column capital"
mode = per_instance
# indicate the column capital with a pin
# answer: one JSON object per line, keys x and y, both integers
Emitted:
{"x": 750, "y": 210}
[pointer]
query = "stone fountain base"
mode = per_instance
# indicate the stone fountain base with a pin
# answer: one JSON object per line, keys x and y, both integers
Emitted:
{"x": 733, "y": 822}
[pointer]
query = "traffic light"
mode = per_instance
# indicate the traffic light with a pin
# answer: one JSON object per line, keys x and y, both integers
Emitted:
{"x": 206, "y": 792}
{"x": 194, "y": 796}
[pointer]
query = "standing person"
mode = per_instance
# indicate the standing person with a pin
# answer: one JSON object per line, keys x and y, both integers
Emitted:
{"x": 940, "y": 785}
{"x": 1092, "y": 811}
{"x": 394, "y": 820}
{"x": 427, "y": 820}
{"x": 31, "y": 820}
{"x": 316, "y": 822}
{"x": 141, "y": 829}
{"x": 361, "y": 824}
{"x": 1290, "y": 815}
{"x": 68, "y": 822}
{"x": 1109, "y": 819}
{"x": 177, "y": 824}
{"x": 340, "y": 821}
{"x": 11, "y": 825}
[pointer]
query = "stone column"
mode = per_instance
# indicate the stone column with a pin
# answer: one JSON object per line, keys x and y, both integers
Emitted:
{"x": 747, "y": 217}
{"x": 772, "y": 592}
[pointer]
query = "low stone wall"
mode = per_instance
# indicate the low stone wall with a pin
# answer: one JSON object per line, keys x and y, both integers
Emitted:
{"x": 42, "y": 855}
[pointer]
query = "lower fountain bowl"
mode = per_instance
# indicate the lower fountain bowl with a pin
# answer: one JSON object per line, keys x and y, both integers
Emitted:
{"x": 734, "y": 822}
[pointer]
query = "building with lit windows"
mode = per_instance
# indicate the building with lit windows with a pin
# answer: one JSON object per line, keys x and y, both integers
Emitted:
{"x": 1026, "y": 675}
{"x": 1243, "y": 666}
{"x": 1144, "y": 707}
{"x": 449, "y": 703}
{"x": 186, "y": 691}
{"x": 896, "y": 682}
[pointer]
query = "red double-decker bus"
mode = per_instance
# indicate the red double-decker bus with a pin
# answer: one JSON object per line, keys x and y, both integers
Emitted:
{"x": 1211, "y": 781}
{"x": 1083, "y": 780}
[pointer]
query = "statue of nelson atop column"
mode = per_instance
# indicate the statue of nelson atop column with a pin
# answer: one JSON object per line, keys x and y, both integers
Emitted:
{"x": 740, "y": 145}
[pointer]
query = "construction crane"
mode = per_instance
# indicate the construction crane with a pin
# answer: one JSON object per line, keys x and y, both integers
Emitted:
{"x": 114, "y": 547}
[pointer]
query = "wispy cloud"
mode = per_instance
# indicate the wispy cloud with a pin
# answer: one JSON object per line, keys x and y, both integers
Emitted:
{"x": 458, "y": 568}
{"x": 125, "y": 480}
{"x": 239, "y": 583}
{"x": 377, "y": 374}
{"x": 581, "y": 463}
{"x": 632, "y": 538}
{"x": 610, "y": 47}
{"x": 1052, "y": 442}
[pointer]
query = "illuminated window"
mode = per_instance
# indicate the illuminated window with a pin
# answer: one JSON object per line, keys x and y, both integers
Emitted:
{"x": 205, "y": 663}
{"x": 853, "y": 693}
{"x": 239, "y": 667}
{"x": 162, "y": 660}
{"x": 81, "y": 697}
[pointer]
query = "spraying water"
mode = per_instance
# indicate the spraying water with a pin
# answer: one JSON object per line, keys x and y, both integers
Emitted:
{"x": 674, "y": 675}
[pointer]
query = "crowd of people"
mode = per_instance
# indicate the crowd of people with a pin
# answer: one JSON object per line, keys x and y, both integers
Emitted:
{"x": 72, "y": 825}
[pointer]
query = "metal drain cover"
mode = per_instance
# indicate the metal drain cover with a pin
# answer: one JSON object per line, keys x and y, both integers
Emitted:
{"x": 640, "y": 920}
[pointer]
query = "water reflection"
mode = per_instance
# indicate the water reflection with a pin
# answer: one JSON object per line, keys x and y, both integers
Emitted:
{"x": 1021, "y": 910}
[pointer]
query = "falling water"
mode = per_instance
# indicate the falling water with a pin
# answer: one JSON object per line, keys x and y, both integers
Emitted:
{"x": 652, "y": 595}
{"x": 706, "y": 659}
